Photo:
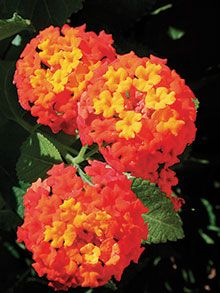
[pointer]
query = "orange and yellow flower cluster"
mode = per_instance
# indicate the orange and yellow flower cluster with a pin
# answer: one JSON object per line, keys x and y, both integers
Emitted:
{"x": 139, "y": 112}
{"x": 82, "y": 234}
{"x": 55, "y": 69}
{"x": 142, "y": 116}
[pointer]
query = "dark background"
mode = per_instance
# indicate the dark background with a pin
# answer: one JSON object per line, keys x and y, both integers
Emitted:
{"x": 192, "y": 264}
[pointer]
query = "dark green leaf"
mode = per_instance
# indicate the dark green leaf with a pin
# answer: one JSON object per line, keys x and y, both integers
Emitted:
{"x": 163, "y": 222}
{"x": 3, "y": 121}
{"x": 111, "y": 285}
{"x": 11, "y": 249}
{"x": 9, "y": 106}
{"x": 19, "y": 193}
{"x": 8, "y": 220}
{"x": 14, "y": 25}
{"x": 114, "y": 15}
{"x": 38, "y": 155}
{"x": 42, "y": 13}
{"x": 2, "y": 202}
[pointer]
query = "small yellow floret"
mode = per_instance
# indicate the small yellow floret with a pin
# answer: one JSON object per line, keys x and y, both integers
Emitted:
{"x": 108, "y": 104}
{"x": 159, "y": 98}
{"x": 114, "y": 255}
{"x": 129, "y": 125}
{"x": 173, "y": 125}
{"x": 115, "y": 77}
{"x": 91, "y": 253}
{"x": 146, "y": 76}
{"x": 55, "y": 233}
{"x": 57, "y": 80}
{"x": 69, "y": 235}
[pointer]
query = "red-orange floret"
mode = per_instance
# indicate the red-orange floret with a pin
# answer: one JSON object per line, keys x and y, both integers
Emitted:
{"x": 55, "y": 68}
{"x": 82, "y": 234}
{"x": 141, "y": 114}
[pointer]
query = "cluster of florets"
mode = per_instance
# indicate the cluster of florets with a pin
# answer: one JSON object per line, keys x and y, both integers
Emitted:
{"x": 82, "y": 234}
{"x": 54, "y": 70}
{"x": 141, "y": 114}
{"x": 138, "y": 111}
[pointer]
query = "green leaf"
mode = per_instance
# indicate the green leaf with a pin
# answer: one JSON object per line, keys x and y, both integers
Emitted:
{"x": 162, "y": 8}
{"x": 14, "y": 25}
{"x": 111, "y": 285}
{"x": 16, "y": 41}
{"x": 8, "y": 220}
{"x": 11, "y": 249}
{"x": 2, "y": 202}
{"x": 175, "y": 33}
{"x": 210, "y": 211}
{"x": 163, "y": 222}
{"x": 42, "y": 13}
{"x": 19, "y": 196}
{"x": 9, "y": 106}
{"x": 114, "y": 15}
{"x": 196, "y": 102}
{"x": 38, "y": 155}
{"x": 205, "y": 237}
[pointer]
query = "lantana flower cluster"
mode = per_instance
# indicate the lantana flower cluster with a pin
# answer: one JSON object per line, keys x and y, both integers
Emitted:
{"x": 54, "y": 70}
{"x": 82, "y": 234}
{"x": 139, "y": 112}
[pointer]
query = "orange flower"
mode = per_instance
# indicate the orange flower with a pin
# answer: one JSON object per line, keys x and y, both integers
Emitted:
{"x": 82, "y": 235}
{"x": 55, "y": 68}
{"x": 141, "y": 114}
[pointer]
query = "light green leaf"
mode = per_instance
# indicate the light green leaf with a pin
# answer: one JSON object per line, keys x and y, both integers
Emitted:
{"x": 162, "y": 8}
{"x": 163, "y": 222}
{"x": 210, "y": 211}
{"x": 175, "y": 33}
{"x": 38, "y": 155}
{"x": 196, "y": 102}
{"x": 42, "y": 13}
{"x": 16, "y": 41}
{"x": 205, "y": 237}
{"x": 14, "y": 25}
{"x": 19, "y": 196}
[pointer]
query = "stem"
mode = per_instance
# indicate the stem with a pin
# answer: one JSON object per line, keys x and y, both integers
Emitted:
{"x": 92, "y": 152}
{"x": 80, "y": 157}
{"x": 27, "y": 126}
{"x": 70, "y": 159}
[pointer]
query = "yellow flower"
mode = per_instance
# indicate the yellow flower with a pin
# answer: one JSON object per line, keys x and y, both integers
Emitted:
{"x": 108, "y": 104}
{"x": 91, "y": 253}
{"x": 129, "y": 125}
{"x": 159, "y": 98}
{"x": 168, "y": 120}
{"x": 146, "y": 76}
{"x": 173, "y": 125}
{"x": 58, "y": 80}
{"x": 115, "y": 77}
